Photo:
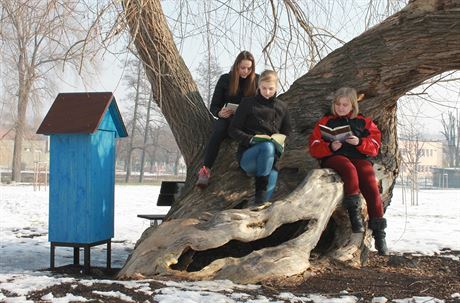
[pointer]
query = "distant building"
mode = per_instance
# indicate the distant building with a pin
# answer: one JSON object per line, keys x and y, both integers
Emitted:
{"x": 421, "y": 157}
{"x": 35, "y": 148}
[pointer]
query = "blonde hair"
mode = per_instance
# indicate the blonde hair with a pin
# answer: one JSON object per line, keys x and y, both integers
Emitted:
{"x": 349, "y": 93}
{"x": 268, "y": 76}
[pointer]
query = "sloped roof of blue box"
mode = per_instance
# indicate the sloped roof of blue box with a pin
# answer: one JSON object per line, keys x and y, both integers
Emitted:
{"x": 81, "y": 113}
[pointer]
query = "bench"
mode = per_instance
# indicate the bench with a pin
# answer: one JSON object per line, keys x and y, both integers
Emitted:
{"x": 169, "y": 191}
{"x": 155, "y": 220}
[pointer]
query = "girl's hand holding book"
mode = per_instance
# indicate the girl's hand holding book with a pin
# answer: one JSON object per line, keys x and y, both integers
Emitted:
{"x": 353, "y": 140}
{"x": 225, "y": 112}
{"x": 336, "y": 145}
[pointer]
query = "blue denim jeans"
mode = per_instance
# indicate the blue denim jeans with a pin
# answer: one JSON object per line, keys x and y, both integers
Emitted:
{"x": 258, "y": 161}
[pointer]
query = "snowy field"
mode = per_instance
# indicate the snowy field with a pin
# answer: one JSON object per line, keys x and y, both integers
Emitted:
{"x": 24, "y": 248}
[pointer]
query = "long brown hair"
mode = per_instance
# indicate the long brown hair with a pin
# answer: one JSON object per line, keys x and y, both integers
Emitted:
{"x": 250, "y": 86}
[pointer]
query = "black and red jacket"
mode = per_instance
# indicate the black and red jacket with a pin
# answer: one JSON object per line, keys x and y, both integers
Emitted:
{"x": 362, "y": 127}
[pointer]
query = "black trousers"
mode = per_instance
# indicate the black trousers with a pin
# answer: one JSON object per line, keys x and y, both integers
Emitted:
{"x": 218, "y": 135}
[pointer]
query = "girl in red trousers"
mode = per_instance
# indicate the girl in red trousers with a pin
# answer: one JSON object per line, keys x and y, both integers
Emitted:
{"x": 351, "y": 160}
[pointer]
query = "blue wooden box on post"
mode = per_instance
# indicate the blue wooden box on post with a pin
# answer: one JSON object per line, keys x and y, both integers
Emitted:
{"x": 83, "y": 128}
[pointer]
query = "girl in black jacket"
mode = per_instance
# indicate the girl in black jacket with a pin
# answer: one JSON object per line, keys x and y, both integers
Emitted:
{"x": 230, "y": 88}
{"x": 262, "y": 114}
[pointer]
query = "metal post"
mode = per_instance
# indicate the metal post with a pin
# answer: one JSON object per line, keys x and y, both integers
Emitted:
{"x": 109, "y": 254}
{"x": 76, "y": 256}
{"x": 35, "y": 175}
{"x": 52, "y": 251}
{"x": 87, "y": 260}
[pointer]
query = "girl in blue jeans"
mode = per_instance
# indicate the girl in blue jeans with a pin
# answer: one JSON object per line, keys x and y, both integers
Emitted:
{"x": 262, "y": 114}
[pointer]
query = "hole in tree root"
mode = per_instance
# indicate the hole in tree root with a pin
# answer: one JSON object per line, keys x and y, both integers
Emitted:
{"x": 326, "y": 240}
{"x": 192, "y": 260}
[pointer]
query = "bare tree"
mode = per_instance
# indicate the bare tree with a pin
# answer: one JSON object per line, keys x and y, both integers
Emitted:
{"x": 209, "y": 69}
{"x": 208, "y": 73}
{"x": 146, "y": 136}
{"x": 145, "y": 122}
{"x": 213, "y": 237}
{"x": 451, "y": 131}
{"x": 137, "y": 98}
{"x": 37, "y": 37}
{"x": 292, "y": 36}
{"x": 410, "y": 144}
{"x": 411, "y": 149}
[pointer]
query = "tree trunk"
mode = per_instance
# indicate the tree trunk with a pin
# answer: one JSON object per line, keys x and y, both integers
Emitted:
{"x": 133, "y": 130}
{"x": 146, "y": 131}
{"x": 207, "y": 235}
{"x": 25, "y": 83}
{"x": 19, "y": 138}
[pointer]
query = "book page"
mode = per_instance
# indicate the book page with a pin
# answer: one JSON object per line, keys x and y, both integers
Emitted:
{"x": 339, "y": 133}
{"x": 267, "y": 137}
{"x": 325, "y": 128}
{"x": 232, "y": 106}
{"x": 343, "y": 136}
{"x": 279, "y": 138}
{"x": 327, "y": 136}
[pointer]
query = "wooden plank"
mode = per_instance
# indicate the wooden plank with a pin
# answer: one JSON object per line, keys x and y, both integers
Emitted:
{"x": 102, "y": 186}
{"x": 68, "y": 214}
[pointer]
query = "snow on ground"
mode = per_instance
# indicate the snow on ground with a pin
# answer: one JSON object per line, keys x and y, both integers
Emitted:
{"x": 427, "y": 228}
{"x": 24, "y": 247}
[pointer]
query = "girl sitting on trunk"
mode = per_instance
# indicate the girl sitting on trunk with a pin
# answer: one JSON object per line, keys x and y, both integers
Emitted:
{"x": 255, "y": 121}
{"x": 350, "y": 158}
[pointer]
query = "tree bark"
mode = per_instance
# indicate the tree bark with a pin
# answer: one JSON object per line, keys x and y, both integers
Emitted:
{"x": 384, "y": 63}
{"x": 25, "y": 79}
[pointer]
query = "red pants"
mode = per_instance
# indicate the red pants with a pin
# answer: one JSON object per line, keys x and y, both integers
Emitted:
{"x": 358, "y": 176}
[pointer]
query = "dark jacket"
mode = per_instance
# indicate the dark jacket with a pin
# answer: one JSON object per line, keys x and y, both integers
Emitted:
{"x": 256, "y": 116}
{"x": 222, "y": 96}
{"x": 362, "y": 127}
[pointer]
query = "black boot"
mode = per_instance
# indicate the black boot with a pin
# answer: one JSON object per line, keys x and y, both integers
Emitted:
{"x": 261, "y": 190}
{"x": 351, "y": 203}
{"x": 378, "y": 226}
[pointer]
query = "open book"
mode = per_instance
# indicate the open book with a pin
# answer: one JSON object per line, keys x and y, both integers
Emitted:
{"x": 232, "y": 106}
{"x": 339, "y": 133}
{"x": 277, "y": 139}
